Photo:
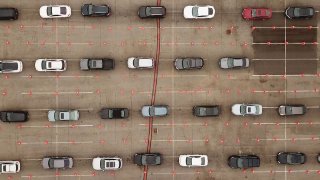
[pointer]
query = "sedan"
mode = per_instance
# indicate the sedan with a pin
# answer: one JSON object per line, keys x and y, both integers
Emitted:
{"x": 13, "y": 116}
{"x": 154, "y": 111}
{"x": 206, "y": 111}
{"x": 95, "y": 10}
{"x": 55, "y": 11}
{"x": 198, "y": 12}
{"x": 291, "y": 158}
{"x": 295, "y": 109}
{"x": 233, "y": 63}
{"x": 243, "y": 161}
{"x": 299, "y": 12}
{"x": 151, "y": 12}
{"x": 256, "y": 13}
{"x": 7, "y": 167}
{"x": 140, "y": 63}
{"x": 44, "y": 65}
{"x": 11, "y": 66}
{"x": 188, "y": 63}
{"x": 246, "y": 109}
{"x": 106, "y": 163}
{"x": 63, "y": 115}
{"x": 193, "y": 160}
{"x": 147, "y": 159}
{"x": 114, "y": 113}
{"x": 57, "y": 162}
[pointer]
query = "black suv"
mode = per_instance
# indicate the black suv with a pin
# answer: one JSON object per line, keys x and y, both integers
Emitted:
{"x": 95, "y": 10}
{"x": 291, "y": 158}
{"x": 205, "y": 111}
{"x": 9, "y": 14}
{"x": 114, "y": 113}
{"x": 146, "y": 159}
{"x": 13, "y": 116}
{"x": 243, "y": 161}
{"x": 152, "y": 12}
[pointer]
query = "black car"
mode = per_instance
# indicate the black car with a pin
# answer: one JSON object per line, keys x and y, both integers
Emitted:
{"x": 146, "y": 159}
{"x": 14, "y": 116}
{"x": 96, "y": 64}
{"x": 243, "y": 161}
{"x": 9, "y": 14}
{"x": 95, "y": 10}
{"x": 152, "y": 12}
{"x": 299, "y": 12}
{"x": 204, "y": 111}
{"x": 291, "y": 158}
{"x": 114, "y": 113}
{"x": 188, "y": 63}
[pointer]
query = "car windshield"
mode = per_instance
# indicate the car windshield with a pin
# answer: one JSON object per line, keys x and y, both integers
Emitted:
{"x": 148, "y": 11}
{"x": 102, "y": 163}
{"x": 254, "y": 13}
{"x": 122, "y": 113}
{"x": 49, "y": 11}
{"x": 43, "y": 65}
{"x": 230, "y": 62}
{"x": 151, "y": 111}
{"x": 1, "y": 66}
{"x": 288, "y": 110}
{"x": 243, "y": 109}
{"x": 240, "y": 163}
{"x": 90, "y": 9}
{"x": 136, "y": 62}
{"x": 56, "y": 115}
{"x": 189, "y": 161}
{"x": 186, "y": 63}
{"x": 268, "y": 13}
{"x": 110, "y": 114}
{"x": 203, "y": 160}
{"x": 195, "y": 11}
{"x": 51, "y": 163}
{"x": 63, "y": 10}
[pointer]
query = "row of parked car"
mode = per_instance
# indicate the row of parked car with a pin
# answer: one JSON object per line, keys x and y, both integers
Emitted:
{"x": 150, "y": 159}
{"x": 185, "y": 63}
{"x": 153, "y": 111}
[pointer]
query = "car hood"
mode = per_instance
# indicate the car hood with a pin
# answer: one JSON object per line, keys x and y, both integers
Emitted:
{"x": 145, "y": 111}
{"x": 236, "y": 109}
{"x": 247, "y": 13}
{"x": 187, "y": 12}
{"x": 96, "y": 163}
{"x": 84, "y": 64}
{"x": 130, "y": 63}
{"x": 43, "y": 11}
{"x": 233, "y": 162}
{"x": 51, "y": 115}
{"x": 224, "y": 63}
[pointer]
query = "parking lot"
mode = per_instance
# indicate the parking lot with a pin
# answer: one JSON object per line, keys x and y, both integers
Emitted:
{"x": 284, "y": 69}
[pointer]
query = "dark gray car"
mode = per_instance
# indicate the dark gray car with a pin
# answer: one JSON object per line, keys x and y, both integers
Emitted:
{"x": 205, "y": 111}
{"x": 154, "y": 111}
{"x": 188, "y": 63}
{"x": 114, "y": 113}
{"x": 95, "y": 10}
{"x": 291, "y": 158}
{"x": 147, "y": 159}
{"x": 152, "y": 12}
{"x": 57, "y": 162}
{"x": 14, "y": 116}
{"x": 243, "y": 161}
{"x": 97, "y": 64}
{"x": 233, "y": 63}
{"x": 299, "y": 12}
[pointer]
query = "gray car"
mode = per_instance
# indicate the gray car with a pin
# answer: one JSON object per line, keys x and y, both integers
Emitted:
{"x": 63, "y": 115}
{"x": 154, "y": 111}
{"x": 188, "y": 63}
{"x": 206, "y": 111}
{"x": 288, "y": 110}
{"x": 57, "y": 162}
{"x": 233, "y": 63}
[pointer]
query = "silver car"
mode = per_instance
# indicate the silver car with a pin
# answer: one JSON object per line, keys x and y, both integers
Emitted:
{"x": 154, "y": 111}
{"x": 188, "y": 63}
{"x": 57, "y": 162}
{"x": 63, "y": 115}
{"x": 233, "y": 63}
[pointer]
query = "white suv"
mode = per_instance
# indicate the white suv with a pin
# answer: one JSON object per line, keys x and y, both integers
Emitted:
{"x": 140, "y": 63}
{"x": 106, "y": 163}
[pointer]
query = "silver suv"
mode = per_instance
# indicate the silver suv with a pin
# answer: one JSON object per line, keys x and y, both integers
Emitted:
{"x": 153, "y": 111}
{"x": 63, "y": 115}
{"x": 288, "y": 110}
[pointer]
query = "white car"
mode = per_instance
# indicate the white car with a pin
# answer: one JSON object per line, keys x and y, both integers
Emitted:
{"x": 140, "y": 63}
{"x": 55, "y": 11}
{"x": 194, "y": 160}
{"x": 50, "y": 65}
{"x": 63, "y": 115}
{"x": 198, "y": 12}
{"x": 9, "y": 167}
{"x": 246, "y": 109}
{"x": 106, "y": 163}
{"x": 11, "y": 66}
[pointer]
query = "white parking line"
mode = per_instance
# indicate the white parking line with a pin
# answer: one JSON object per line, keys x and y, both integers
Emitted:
{"x": 286, "y": 91}
{"x": 178, "y": 124}
{"x": 287, "y": 75}
{"x": 59, "y": 126}
{"x": 293, "y": 123}
{"x": 288, "y": 43}
{"x": 174, "y": 76}
{"x": 57, "y": 76}
{"x": 289, "y": 139}
{"x": 177, "y": 140}
{"x": 54, "y": 142}
{"x": 270, "y": 107}
{"x": 52, "y": 93}
{"x": 283, "y": 27}
{"x": 287, "y": 171}
{"x": 171, "y": 92}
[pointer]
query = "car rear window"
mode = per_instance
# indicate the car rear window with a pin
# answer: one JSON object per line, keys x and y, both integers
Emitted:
{"x": 63, "y": 10}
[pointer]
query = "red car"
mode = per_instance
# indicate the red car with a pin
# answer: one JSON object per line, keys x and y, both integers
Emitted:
{"x": 256, "y": 13}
